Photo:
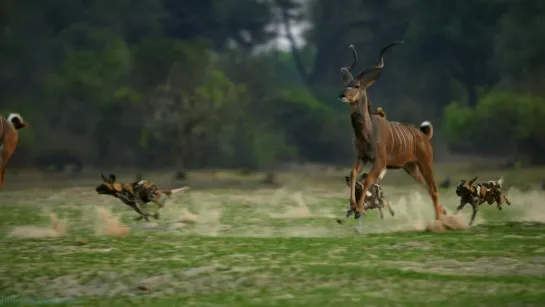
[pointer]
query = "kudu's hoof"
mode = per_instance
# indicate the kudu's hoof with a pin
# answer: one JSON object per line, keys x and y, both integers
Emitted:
{"x": 357, "y": 215}
{"x": 340, "y": 221}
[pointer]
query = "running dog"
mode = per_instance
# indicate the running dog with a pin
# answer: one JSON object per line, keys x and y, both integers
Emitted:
{"x": 9, "y": 138}
{"x": 476, "y": 194}
{"x": 373, "y": 199}
{"x": 137, "y": 194}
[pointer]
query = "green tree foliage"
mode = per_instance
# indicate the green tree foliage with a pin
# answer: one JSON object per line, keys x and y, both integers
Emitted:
{"x": 201, "y": 84}
{"x": 501, "y": 123}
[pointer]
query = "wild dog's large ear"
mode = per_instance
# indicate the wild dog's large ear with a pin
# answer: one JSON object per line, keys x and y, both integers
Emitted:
{"x": 472, "y": 180}
{"x": 112, "y": 178}
{"x": 104, "y": 178}
{"x": 347, "y": 178}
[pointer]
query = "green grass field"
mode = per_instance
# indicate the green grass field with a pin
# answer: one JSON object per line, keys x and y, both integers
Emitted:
{"x": 259, "y": 246}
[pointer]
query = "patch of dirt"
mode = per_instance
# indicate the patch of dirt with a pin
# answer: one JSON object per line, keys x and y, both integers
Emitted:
{"x": 528, "y": 205}
{"x": 188, "y": 217}
{"x": 448, "y": 222}
{"x": 108, "y": 224}
{"x": 57, "y": 228}
{"x": 300, "y": 211}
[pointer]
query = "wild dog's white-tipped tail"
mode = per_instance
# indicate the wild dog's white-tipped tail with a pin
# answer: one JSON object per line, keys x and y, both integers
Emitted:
{"x": 500, "y": 181}
{"x": 179, "y": 190}
{"x": 16, "y": 120}
{"x": 427, "y": 128}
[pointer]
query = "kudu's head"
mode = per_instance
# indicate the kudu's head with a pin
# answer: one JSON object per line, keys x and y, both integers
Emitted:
{"x": 355, "y": 87}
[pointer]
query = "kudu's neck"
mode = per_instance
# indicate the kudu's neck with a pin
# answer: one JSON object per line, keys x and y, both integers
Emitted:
{"x": 359, "y": 113}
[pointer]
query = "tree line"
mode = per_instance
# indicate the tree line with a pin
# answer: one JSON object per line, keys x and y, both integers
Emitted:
{"x": 201, "y": 83}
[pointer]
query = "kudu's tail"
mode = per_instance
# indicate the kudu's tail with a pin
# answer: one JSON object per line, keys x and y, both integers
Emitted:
{"x": 427, "y": 129}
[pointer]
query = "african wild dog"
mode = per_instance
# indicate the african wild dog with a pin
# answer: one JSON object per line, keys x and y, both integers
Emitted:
{"x": 9, "y": 138}
{"x": 137, "y": 194}
{"x": 374, "y": 197}
{"x": 476, "y": 194}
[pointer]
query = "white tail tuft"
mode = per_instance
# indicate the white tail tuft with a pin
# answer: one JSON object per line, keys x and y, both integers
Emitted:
{"x": 381, "y": 175}
{"x": 15, "y": 117}
{"x": 427, "y": 128}
{"x": 500, "y": 181}
{"x": 179, "y": 190}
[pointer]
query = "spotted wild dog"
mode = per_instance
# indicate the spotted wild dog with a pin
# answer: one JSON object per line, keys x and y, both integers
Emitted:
{"x": 476, "y": 194}
{"x": 137, "y": 194}
{"x": 374, "y": 197}
{"x": 9, "y": 139}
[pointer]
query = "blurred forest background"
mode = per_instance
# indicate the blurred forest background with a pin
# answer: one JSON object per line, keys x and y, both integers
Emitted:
{"x": 200, "y": 84}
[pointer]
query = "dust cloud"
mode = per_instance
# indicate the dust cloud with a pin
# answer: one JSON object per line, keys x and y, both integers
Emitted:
{"x": 57, "y": 228}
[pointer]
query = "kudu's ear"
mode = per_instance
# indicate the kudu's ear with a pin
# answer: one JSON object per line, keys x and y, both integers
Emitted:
{"x": 369, "y": 75}
{"x": 472, "y": 180}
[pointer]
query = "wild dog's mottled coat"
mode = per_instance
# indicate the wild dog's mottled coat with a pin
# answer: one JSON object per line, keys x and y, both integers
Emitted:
{"x": 375, "y": 195}
{"x": 476, "y": 194}
{"x": 136, "y": 194}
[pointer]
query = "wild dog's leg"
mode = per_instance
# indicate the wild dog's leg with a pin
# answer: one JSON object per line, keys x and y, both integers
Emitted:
{"x": 143, "y": 213}
{"x": 353, "y": 177}
{"x": 381, "y": 214}
{"x": 388, "y": 205}
{"x": 506, "y": 200}
{"x": 413, "y": 171}
{"x": 427, "y": 172}
{"x": 475, "y": 209}
{"x": 461, "y": 206}
{"x": 378, "y": 167}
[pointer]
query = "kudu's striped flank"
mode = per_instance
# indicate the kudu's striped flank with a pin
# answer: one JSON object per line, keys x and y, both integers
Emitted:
{"x": 387, "y": 145}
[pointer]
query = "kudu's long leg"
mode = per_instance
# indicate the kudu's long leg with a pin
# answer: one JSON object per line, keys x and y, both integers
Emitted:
{"x": 4, "y": 157}
{"x": 427, "y": 172}
{"x": 413, "y": 170}
{"x": 353, "y": 177}
{"x": 373, "y": 174}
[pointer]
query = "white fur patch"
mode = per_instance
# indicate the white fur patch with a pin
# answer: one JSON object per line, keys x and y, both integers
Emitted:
{"x": 368, "y": 194}
{"x": 13, "y": 116}
{"x": 382, "y": 174}
{"x": 141, "y": 182}
{"x": 425, "y": 124}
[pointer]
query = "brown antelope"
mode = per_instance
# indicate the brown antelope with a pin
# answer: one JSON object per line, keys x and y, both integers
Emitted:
{"x": 387, "y": 145}
{"x": 9, "y": 139}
